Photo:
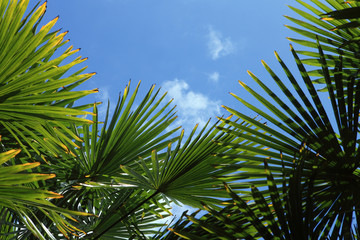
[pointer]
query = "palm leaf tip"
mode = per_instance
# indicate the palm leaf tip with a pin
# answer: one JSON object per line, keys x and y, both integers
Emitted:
{"x": 55, "y": 195}
{"x": 327, "y": 18}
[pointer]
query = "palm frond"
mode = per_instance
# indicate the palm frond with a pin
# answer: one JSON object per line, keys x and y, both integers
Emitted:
{"x": 336, "y": 27}
{"x": 332, "y": 145}
{"x": 34, "y": 87}
{"x": 17, "y": 201}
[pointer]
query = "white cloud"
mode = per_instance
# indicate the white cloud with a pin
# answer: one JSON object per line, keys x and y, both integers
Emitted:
{"x": 219, "y": 46}
{"x": 214, "y": 77}
{"x": 193, "y": 107}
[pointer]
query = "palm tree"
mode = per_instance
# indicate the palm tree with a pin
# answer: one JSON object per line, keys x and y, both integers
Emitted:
{"x": 131, "y": 169}
{"x": 310, "y": 157}
{"x": 35, "y": 118}
{"x": 65, "y": 176}
{"x": 86, "y": 178}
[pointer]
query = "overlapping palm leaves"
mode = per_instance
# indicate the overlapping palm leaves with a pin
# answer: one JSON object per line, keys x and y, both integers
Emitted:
{"x": 352, "y": 14}
{"x": 295, "y": 118}
{"x": 88, "y": 178}
{"x": 131, "y": 170}
{"x": 266, "y": 216}
{"x": 127, "y": 169}
{"x": 36, "y": 114}
{"x": 183, "y": 174}
{"x": 33, "y": 91}
{"x": 17, "y": 202}
{"x": 332, "y": 160}
{"x": 339, "y": 35}
{"x": 333, "y": 146}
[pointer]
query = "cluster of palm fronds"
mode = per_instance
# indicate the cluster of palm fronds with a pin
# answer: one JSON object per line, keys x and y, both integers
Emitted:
{"x": 294, "y": 177}
{"x": 307, "y": 153}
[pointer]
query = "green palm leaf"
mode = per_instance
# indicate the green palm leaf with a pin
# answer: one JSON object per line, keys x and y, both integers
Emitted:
{"x": 183, "y": 174}
{"x": 261, "y": 217}
{"x": 34, "y": 86}
{"x": 339, "y": 35}
{"x": 333, "y": 147}
{"x": 17, "y": 201}
{"x": 186, "y": 173}
{"x": 87, "y": 179}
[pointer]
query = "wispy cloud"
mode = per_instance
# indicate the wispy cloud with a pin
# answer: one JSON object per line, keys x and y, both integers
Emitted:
{"x": 218, "y": 45}
{"x": 193, "y": 107}
{"x": 214, "y": 77}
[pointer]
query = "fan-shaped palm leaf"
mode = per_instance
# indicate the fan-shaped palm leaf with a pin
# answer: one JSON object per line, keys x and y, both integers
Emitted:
{"x": 34, "y": 88}
{"x": 186, "y": 173}
{"x": 87, "y": 178}
{"x": 333, "y": 145}
{"x": 17, "y": 201}
{"x": 264, "y": 217}
{"x": 338, "y": 36}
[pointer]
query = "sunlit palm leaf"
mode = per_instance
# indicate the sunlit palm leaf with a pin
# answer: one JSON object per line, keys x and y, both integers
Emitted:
{"x": 17, "y": 201}
{"x": 87, "y": 179}
{"x": 121, "y": 140}
{"x": 34, "y": 86}
{"x": 185, "y": 173}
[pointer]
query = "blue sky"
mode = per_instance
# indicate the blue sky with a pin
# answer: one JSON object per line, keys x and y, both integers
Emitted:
{"x": 195, "y": 50}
